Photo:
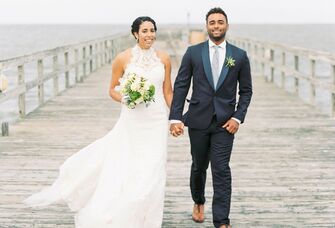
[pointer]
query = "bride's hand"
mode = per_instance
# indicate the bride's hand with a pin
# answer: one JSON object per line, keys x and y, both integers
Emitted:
{"x": 177, "y": 129}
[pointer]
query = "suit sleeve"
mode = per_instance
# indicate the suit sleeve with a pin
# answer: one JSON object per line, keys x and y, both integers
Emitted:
{"x": 245, "y": 89}
{"x": 181, "y": 87}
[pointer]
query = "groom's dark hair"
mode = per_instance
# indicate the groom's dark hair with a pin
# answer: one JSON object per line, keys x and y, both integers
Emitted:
{"x": 216, "y": 10}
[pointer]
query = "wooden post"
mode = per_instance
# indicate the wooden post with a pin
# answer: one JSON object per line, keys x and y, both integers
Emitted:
{"x": 101, "y": 54}
{"x": 84, "y": 62}
{"x": 296, "y": 79}
{"x": 249, "y": 50}
{"x": 91, "y": 58}
{"x": 22, "y": 96}
{"x": 112, "y": 49}
{"x": 108, "y": 51}
{"x": 333, "y": 92}
{"x": 4, "y": 129}
{"x": 97, "y": 64}
{"x": 272, "y": 59}
{"x": 76, "y": 69}
{"x": 40, "y": 82}
{"x": 263, "y": 63}
{"x": 283, "y": 63}
{"x": 256, "y": 57}
{"x": 55, "y": 79}
{"x": 105, "y": 52}
{"x": 118, "y": 47}
{"x": 67, "y": 75}
{"x": 311, "y": 82}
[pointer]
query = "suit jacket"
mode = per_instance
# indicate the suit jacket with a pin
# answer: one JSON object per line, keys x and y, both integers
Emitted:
{"x": 206, "y": 101}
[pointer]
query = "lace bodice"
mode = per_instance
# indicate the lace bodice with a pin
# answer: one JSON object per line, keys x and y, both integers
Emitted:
{"x": 144, "y": 58}
{"x": 146, "y": 63}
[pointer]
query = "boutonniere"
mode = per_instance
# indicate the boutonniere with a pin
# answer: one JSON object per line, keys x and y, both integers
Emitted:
{"x": 230, "y": 62}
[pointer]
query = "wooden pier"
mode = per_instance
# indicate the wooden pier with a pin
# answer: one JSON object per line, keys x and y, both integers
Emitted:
{"x": 283, "y": 161}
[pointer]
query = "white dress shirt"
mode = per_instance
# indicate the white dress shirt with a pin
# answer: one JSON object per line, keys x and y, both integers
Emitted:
{"x": 221, "y": 50}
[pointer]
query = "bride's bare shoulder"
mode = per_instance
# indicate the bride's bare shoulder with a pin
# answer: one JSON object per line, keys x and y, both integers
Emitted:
{"x": 123, "y": 58}
{"x": 164, "y": 56}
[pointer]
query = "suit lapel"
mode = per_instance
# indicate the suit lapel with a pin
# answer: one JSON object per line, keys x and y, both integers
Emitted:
{"x": 207, "y": 64}
{"x": 225, "y": 69}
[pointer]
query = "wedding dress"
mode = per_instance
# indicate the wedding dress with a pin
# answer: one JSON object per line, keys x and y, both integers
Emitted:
{"x": 118, "y": 181}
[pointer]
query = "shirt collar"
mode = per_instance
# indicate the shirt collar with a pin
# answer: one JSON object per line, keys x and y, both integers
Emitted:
{"x": 212, "y": 44}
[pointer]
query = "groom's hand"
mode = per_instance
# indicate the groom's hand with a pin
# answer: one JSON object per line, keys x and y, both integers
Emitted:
{"x": 176, "y": 129}
{"x": 231, "y": 126}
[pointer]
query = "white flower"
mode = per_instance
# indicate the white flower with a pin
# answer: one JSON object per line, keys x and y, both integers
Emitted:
{"x": 132, "y": 76}
{"x": 131, "y": 105}
{"x": 146, "y": 86}
{"x": 135, "y": 85}
{"x": 3, "y": 83}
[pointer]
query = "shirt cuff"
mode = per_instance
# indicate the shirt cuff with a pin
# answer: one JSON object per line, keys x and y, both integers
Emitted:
{"x": 237, "y": 120}
{"x": 174, "y": 121}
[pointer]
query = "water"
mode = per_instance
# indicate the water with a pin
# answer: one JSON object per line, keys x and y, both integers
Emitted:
{"x": 319, "y": 37}
{"x": 17, "y": 40}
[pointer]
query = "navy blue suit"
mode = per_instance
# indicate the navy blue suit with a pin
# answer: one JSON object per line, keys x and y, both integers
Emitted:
{"x": 209, "y": 109}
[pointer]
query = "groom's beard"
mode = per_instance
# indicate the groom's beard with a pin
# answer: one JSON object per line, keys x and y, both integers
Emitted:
{"x": 217, "y": 38}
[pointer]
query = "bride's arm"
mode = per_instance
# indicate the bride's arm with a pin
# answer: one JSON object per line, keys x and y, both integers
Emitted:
{"x": 117, "y": 72}
{"x": 167, "y": 87}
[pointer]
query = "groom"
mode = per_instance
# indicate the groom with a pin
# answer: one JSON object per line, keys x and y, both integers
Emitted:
{"x": 216, "y": 69}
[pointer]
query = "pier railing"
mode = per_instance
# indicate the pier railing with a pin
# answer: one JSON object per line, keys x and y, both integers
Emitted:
{"x": 73, "y": 60}
{"x": 309, "y": 74}
{"x": 46, "y": 74}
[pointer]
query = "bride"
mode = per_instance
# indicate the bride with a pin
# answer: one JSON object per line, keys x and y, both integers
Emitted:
{"x": 118, "y": 181}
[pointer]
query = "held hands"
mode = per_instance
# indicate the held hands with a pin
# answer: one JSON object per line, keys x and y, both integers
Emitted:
{"x": 231, "y": 126}
{"x": 176, "y": 129}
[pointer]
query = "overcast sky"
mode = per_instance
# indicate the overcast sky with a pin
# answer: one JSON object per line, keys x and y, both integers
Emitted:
{"x": 165, "y": 11}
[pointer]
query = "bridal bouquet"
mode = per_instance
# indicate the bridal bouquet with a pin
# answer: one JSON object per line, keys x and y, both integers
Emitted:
{"x": 136, "y": 90}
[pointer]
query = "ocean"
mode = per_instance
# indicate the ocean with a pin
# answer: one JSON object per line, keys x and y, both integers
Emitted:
{"x": 318, "y": 37}
{"x": 17, "y": 40}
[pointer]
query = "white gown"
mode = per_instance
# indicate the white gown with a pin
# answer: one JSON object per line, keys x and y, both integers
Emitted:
{"x": 118, "y": 181}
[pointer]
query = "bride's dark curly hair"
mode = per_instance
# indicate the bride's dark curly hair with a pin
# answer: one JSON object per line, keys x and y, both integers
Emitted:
{"x": 135, "y": 27}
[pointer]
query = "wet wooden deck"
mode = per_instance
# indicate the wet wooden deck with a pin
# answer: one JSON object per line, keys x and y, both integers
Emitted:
{"x": 283, "y": 161}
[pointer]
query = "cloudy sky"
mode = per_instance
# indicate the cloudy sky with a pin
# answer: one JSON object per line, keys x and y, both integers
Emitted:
{"x": 165, "y": 11}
